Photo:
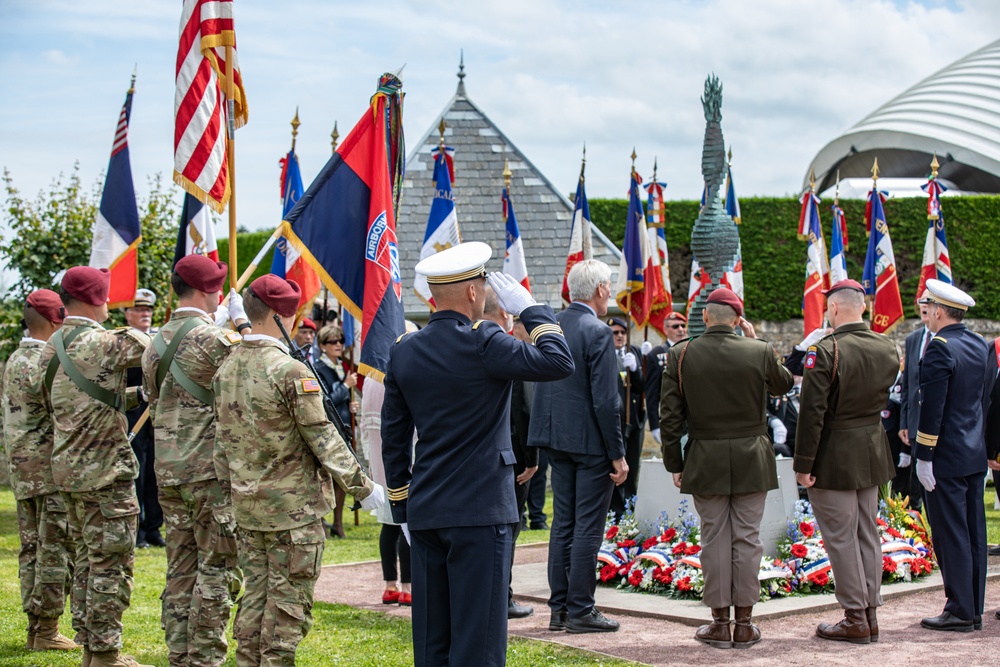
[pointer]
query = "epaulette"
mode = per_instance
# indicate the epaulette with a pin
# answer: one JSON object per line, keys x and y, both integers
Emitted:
{"x": 401, "y": 337}
{"x": 943, "y": 340}
{"x": 476, "y": 324}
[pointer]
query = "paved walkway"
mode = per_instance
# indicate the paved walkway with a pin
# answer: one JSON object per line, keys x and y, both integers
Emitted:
{"x": 657, "y": 631}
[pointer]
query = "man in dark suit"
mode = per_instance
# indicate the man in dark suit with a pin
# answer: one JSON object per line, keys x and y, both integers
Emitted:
{"x": 993, "y": 430}
{"x": 577, "y": 420}
{"x": 631, "y": 393}
{"x": 956, "y": 380}
{"x": 451, "y": 382}
{"x": 526, "y": 457}
{"x": 719, "y": 382}
{"x": 842, "y": 455}
{"x": 675, "y": 325}
{"x": 909, "y": 409}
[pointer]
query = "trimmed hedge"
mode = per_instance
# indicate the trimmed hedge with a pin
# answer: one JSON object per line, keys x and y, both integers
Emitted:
{"x": 774, "y": 258}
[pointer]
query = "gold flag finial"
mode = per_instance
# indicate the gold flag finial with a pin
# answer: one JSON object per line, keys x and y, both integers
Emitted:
{"x": 506, "y": 175}
{"x": 875, "y": 171}
{"x": 729, "y": 156}
{"x": 634, "y": 156}
{"x": 812, "y": 180}
{"x": 334, "y": 136}
{"x": 441, "y": 127}
{"x": 295, "y": 127}
{"x": 934, "y": 166}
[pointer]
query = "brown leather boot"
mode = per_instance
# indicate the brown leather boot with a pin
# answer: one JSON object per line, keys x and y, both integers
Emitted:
{"x": 716, "y": 634}
{"x": 113, "y": 659}
{"x": 745, "y": 634}
{"x": 854, "y": 628}
{"x": 872, "y": 623}
{"x": 32, "y": 631}
{"x": 48, "y": 637}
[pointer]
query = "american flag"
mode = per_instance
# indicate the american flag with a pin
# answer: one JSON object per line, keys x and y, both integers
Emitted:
{"x": 200, "y": 163}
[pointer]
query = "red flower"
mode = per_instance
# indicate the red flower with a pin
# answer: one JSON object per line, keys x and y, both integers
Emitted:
{"x": 807, "y": 529}
{"x": 881, "y": 522}
{"x": 663, "y": 575}
{"x": 787, "y": 586}
{"x": 799, "y": 550}
{"x": 692, "y": 550}
{"x": 668, "y": 535}
{"x": 650, "y": 543}
{"x": 895, "y": 533}
{"x": 635, "y": 578}
{"x": 888, "y": 564}
{"x": 612, "y": 532}
{"x": 627, "y": 543}
{"x": 608, "y": 572}
{"x": 684, "y": 584}
{"x": 820, "y": 578}
{"x": 680, "y": 548}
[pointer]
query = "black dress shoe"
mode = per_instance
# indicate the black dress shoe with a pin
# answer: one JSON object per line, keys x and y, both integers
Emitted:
{"x": 947, "y": 621}
{"x": 557, "y": 622}
{"x": 997, "y": 614}
{"x": 141, "y": 543}
{"x": 540, "y": 526}
{"x": 977, "y": 623}
{"x": 595, "y": 621}
{"x": 993, "y": 551}
{"x": 155, "y": 539}
{"x": 515, "y": 610}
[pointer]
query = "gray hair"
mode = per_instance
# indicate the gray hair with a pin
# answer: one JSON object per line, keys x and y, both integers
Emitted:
{"x": 848, "y": 297}
{"x": 585, "y": 277}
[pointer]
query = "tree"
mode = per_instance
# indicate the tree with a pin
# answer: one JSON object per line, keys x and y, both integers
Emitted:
{"x": 54, "y": 232}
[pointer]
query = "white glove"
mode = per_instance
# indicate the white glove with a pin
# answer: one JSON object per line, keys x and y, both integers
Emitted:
{"x": 221, "y": 315}
{"x": 375, "y": 499}
{"x": 629, "y": 361}
{"x": 904, "y": 460}
{"x": 646, "y": 347}
{"x": 656, "y": 435}
{"x": 511, "y": 294}
{"x": 236, "y": 311}
{"x": 925, "y": 473}
{"x": 813, "y": 338}
{"x": 780, "y": 430}
{"x": 406, "y": 532}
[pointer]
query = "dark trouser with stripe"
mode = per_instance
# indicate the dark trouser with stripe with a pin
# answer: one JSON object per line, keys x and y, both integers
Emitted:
{"x": 460, "y": 580}
{"x": 581, "y": 492}
{"x": 521, "y": 497}
{"x": 958, "y": 523}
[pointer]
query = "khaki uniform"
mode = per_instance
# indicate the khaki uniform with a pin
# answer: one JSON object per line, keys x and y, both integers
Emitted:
{"x": 720, "y": 388}
{"x": 45, "y": 560}
{"x": 840, "y": 440}
{"x": 94, "y": 467}
{"x": 203, "y": 578}
{"x": 279, "y": 455}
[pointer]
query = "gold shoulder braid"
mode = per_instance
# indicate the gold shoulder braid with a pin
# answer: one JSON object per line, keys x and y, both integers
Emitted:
{"x": 836, "y": 360}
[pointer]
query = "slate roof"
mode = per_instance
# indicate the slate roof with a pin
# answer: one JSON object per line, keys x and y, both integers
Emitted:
{"x": 544, "y": 214}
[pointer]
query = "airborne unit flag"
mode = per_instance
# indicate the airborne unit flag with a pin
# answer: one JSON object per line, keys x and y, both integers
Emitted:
{"x": 116, "y": 230}
{"x": 937, "y": 260}
{"x": 880, "y": 280}
{"x": 817, "y": 269}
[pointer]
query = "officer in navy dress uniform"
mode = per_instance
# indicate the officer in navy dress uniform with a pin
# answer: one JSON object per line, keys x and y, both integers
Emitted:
{"x": 451, "y": 381}
{"x": 955, "y": 384}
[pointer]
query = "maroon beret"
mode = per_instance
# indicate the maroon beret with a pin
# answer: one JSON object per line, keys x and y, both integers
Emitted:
{"x": 306, "y": 323}
{"x": 201, "y": 273}
{"x": 674, "y": 315}
{"x": 844, "y": 284}
{"x": 87, "y": 284}
{"x": 47, "y": 304}
{"x": 727, "y": 297}
{"x": 279, "y": 294}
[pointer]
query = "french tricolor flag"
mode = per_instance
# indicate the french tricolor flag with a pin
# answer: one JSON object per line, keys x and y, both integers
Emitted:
{"x": 116, "y": 230}
{"x": 287, "y": 261}
{"x": 442, "y": 222}
{"x": 513, "y": 262}
{"x": 579, "y": 237}
{"x": 817, "y": 266}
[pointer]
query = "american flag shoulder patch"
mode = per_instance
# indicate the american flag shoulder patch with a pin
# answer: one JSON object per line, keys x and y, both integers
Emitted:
{"x": 310, "y": 385}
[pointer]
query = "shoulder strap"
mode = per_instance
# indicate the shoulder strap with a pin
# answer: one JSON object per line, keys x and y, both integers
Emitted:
{"x": 167, "y": 362}
{"x": 90, "y": 388}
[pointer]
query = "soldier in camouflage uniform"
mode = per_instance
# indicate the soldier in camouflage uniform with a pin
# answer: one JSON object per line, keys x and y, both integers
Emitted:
{"x": 202, "y": 574}
{"x": 45, "y": 558}
{"x": 92, "y": 462}
{"x": 269, "y": 409}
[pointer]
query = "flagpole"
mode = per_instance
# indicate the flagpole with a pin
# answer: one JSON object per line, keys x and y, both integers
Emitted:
{"x": 628, "y": 316}
{"x": 231, "y": 158}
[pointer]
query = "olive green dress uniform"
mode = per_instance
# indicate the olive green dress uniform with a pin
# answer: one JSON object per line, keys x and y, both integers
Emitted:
{"x": 841, "y": 442}
{"x": 94, "y": 467}
{"x": 280, "y": 456}
{"x": 203, "y": 577}
{"x": 721, "y": 389}
{"x": 45, "y": 560}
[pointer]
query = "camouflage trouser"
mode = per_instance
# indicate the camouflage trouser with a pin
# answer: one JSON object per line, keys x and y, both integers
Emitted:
{"x": 45, "y": 561}
{"x": 275, "y": 612}
{"x": 203, "y": 579}
{"x": 103, "y": 523}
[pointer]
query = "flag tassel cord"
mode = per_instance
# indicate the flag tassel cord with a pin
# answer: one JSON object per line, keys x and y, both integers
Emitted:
{"x": 231, "y": 157}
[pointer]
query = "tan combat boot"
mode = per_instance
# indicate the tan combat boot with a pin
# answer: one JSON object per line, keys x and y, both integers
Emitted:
{"x": 32, "y": 630}
{"x": 113, "y": 659}
{"x": 745, "y": 634}
{"x": 48, "y": 637}
{"x": 716, "y": 634}
{"x": 854, "y": 628}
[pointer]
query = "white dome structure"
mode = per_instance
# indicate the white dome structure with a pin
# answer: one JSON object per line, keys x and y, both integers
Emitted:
{"x": 954, "y": 113}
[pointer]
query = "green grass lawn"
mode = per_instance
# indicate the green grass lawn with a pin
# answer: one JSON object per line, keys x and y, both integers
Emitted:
{"x": 341, "y": 635}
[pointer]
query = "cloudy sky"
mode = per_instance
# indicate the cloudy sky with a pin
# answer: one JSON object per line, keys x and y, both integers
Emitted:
{"x": 552, "y": 74}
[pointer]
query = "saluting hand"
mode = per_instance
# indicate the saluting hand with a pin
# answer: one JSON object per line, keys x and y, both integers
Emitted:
{"x": 748, "y": 330}
{"x": 621, "y": 471}
{"x": 511, "y": 295}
